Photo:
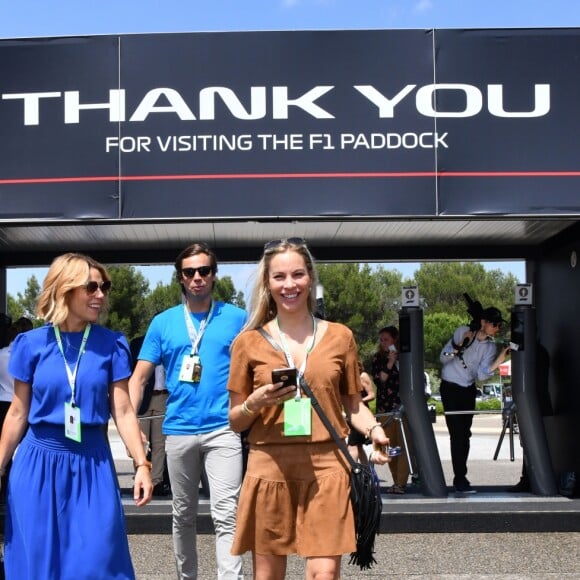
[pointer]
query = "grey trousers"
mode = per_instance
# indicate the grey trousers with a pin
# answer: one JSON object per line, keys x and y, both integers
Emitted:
{"x": 222, "y": 453}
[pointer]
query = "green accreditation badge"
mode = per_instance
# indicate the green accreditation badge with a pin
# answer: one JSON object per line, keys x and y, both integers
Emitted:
{"x": 72, "y": 422}
{"x": 297, "y": 417}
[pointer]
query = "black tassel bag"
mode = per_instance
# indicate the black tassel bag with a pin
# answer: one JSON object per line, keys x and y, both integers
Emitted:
{"x": 365, "y": 495}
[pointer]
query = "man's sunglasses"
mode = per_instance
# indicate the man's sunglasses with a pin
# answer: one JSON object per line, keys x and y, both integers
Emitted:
{"x": 494, "y": 324}
{"x": 203, "y": 271}
{"x": 275, "y": 243}
{"x": 92, "y": 286}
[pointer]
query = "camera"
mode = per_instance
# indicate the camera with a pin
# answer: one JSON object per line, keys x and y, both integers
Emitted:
{"x": 475, "y": 310}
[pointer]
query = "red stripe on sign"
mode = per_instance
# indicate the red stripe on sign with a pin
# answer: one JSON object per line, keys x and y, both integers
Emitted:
{"x": 341, "y": 175}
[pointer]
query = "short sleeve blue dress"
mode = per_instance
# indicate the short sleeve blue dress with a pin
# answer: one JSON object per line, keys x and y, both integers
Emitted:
{"x": 64, "y": 515}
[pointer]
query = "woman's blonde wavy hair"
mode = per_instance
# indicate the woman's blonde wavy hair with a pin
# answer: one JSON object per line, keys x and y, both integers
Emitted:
{"x": 262, "y": 305}
{"x": 66, "y": 273}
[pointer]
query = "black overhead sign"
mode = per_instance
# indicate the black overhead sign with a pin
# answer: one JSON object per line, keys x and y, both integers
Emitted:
{"x": 332, "y": 124}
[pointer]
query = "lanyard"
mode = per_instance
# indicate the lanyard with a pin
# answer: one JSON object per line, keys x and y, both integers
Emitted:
{"x": 195, "y": 336}
{"x": 72, "y": 375}
{"x": 289, "y": 358}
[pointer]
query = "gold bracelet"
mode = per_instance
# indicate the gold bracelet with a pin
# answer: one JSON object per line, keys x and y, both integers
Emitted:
{"x": 369, "y": 430}
{"x": 246, "y": 410}
{"x": 143, "y": 463}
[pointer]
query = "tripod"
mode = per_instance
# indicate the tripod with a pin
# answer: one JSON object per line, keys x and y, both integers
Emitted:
{"x": 397, "y": 415}
{"x": 509, "y": 420}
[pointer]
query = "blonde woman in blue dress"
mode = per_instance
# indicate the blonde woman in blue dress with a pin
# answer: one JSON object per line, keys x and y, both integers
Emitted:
{"x": 64, "y": 515}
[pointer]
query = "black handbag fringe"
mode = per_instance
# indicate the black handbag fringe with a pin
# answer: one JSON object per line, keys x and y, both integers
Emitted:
{"x": 367, "y": 507}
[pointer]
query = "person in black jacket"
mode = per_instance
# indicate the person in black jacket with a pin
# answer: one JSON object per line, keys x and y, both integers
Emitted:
{"x": 150, "y": 413}
{"x": 385, "y": 374}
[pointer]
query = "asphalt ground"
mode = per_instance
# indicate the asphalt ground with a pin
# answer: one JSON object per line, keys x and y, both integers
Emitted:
{"x": 418, "y": 556}
{"x": 442, "y": 555}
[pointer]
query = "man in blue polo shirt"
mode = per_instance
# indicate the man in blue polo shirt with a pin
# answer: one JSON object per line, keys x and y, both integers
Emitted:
{"x": 192, "y": 341}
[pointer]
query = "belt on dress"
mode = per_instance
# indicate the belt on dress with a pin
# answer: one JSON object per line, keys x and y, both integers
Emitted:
{"x": 160, "y": 392}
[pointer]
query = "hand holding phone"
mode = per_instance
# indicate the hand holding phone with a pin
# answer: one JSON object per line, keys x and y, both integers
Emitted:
{"x": 287, "y": 376}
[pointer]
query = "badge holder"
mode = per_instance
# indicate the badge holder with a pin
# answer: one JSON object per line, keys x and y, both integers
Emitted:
{"x": 72, "y": 422}
{"x": 297, "y": 417}
{"x": 190, "y": 369}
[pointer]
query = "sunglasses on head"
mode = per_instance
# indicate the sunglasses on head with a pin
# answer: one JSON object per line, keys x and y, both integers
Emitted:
{"x": 203, "y": 271}
{"x": 92, "y": 286}
{"x": 275, "y": 243}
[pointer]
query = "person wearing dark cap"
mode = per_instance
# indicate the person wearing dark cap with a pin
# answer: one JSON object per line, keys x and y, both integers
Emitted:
{"x": 469, "y": 355}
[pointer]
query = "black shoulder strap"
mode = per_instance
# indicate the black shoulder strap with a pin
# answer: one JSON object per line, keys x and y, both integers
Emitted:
{"x": 269, "y": 338}
{"x": 340, "y": 442}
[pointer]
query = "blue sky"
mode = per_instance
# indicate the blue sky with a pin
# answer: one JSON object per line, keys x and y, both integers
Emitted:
{"x": 22, "y": 18}
{"x": 34, "y": 18}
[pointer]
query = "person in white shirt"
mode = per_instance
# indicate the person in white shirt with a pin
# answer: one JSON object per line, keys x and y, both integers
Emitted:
{"x": 6, "y": 380}
{"x": 469, "y": 355}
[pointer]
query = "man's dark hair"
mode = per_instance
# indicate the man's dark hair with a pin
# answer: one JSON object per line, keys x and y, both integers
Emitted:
{"x": 194, "y": 250}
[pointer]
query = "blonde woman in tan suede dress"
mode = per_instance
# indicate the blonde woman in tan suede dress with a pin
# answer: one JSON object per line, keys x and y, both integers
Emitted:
{"x": 295, "y": 496}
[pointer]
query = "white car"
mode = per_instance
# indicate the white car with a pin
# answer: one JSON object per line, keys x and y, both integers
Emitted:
{"x": 492, "y": 390}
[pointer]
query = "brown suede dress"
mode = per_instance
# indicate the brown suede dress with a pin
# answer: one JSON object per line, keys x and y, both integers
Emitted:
{"x": 295, "y": 497}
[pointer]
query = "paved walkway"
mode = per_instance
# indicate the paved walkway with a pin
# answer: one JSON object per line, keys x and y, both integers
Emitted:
{"x": 553, "y": 556}
{"x": 440, "y": 556}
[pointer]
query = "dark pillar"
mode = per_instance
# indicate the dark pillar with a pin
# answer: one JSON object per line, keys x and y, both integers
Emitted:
{"x": 532, "y": 433}
{"x": 412, "y": 392}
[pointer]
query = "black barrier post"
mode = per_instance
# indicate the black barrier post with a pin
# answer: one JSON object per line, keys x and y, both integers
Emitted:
{"x": 412, "y": 393}
{"x": 532, "y": 433}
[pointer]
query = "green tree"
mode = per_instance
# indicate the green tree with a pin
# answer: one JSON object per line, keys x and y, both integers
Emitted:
{"x": 127, "y": 308}
{"x": 162, "y": 297}
{"x": 15, "y": 308}
{"x": 438, "y": 328}
{"x": 29, "y": 299}
{"x": 442, "y": 285}
{"x": 387, "y": 284}
{"x": 25, "y": 303}
{"x": 360, "y": 298}
{"x": 225, "y": 291}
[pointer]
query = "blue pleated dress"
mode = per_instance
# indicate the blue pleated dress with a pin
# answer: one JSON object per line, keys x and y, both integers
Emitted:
{"x": 64, "y": 516}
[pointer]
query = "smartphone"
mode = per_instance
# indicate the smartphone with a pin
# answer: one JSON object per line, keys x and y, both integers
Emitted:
{"x": 288, "y": 376}
{"x": 392, "y": 348}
